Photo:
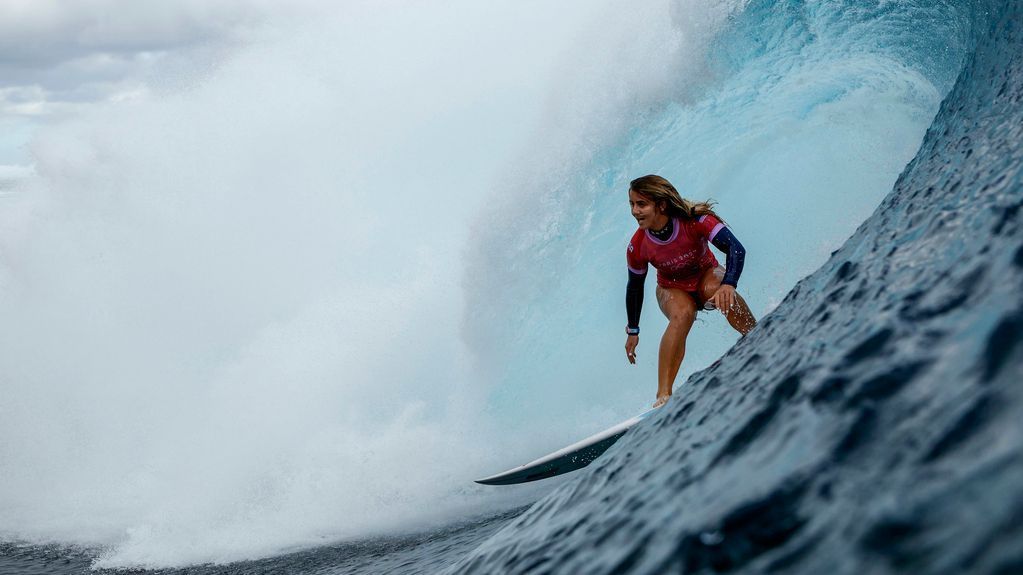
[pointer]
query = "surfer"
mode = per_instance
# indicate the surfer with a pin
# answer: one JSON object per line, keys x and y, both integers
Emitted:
{"x": 673, "y": 235}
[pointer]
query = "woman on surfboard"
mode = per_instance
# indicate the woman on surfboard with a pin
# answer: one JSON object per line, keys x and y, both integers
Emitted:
{"x": 673, "y": 235}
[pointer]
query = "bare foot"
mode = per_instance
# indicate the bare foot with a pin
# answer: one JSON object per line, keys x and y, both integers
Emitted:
{"x": 661, "y": 400}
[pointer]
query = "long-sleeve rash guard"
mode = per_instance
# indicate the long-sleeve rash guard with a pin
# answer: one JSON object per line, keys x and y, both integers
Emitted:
{"x": 706, "y": 228}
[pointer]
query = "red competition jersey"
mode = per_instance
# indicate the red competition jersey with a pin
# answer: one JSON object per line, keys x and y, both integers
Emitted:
{"x": 681, "y": 260}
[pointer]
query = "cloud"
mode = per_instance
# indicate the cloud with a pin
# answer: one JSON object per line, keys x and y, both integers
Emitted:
{"x": 35, "y": 33}
{"x": 55, "y": 53}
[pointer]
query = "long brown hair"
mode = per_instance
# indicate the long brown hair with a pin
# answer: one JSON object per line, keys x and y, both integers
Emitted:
{"x": 657, "y": 190}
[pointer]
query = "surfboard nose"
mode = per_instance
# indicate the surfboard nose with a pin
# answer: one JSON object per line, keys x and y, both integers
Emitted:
{"x": 516, "y": 475}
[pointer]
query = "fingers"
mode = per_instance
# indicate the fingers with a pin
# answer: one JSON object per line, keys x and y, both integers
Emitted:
{"x": 724, "y": 299}
{"x": 720, "y": 303}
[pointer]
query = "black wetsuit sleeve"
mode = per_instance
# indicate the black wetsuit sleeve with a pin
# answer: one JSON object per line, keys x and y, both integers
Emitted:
{"x": 634, "y": 298}
{"x": 726, "y": 242}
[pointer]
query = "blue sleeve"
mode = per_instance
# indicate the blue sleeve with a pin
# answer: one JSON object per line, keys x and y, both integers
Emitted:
{"x": 634, "y": 297}
{"x": 726, "y": 242}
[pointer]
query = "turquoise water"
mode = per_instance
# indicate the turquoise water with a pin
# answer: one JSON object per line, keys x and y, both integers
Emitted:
{"x": 798, "y": 122}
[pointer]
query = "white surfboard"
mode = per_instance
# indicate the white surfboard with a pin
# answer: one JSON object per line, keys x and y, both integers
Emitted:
{"x": 575, "y": 456}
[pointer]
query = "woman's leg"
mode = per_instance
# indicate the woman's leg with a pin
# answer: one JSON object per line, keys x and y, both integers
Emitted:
{"x": 680, "y": 309}
{"x": 739, "y": 317}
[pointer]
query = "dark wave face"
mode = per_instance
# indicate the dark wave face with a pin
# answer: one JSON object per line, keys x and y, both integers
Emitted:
{"x": 873, "y": 422}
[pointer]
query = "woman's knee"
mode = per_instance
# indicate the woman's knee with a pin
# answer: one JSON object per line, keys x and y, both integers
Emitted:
{"x": 681, "y": 316}
{"x": 677, "y": 306}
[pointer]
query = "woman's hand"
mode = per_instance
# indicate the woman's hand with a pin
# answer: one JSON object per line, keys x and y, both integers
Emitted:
{"x": 724, "y": 298}
{"x": 630, "y": 347}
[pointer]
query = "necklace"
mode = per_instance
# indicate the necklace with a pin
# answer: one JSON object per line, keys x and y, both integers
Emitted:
{"x": 663, "y": 233}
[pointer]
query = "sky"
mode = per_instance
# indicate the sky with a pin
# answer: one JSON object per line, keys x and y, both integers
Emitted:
{"x": 59, "y": 56}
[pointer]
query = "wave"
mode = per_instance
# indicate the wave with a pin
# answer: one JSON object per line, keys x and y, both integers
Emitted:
{"x": 310, "y": 296}
{"x": 870, "y": 422}
{"x": 798, "y": 119}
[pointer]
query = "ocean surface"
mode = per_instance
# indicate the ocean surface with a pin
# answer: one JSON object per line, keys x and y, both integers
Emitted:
{"x": 868, "y": 154}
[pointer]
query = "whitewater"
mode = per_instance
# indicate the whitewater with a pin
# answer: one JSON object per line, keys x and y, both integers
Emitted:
{"x": 278, "y": 314}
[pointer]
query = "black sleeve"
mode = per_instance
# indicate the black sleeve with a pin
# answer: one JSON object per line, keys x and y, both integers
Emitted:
{"x": 634, "y": 297}
{"x": 726, "y": 242}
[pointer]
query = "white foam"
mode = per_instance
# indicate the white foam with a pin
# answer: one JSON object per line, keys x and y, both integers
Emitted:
{"x": 231, "y": 311}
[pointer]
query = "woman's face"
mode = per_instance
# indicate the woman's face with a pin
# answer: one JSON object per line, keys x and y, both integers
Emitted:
{"x": 645, "y": 211}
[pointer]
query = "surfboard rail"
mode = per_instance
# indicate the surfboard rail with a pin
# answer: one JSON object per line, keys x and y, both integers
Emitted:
{"x": 570, "y": 458}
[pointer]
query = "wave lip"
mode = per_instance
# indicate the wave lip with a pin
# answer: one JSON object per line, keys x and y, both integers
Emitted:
{"x": 870, "y": 423}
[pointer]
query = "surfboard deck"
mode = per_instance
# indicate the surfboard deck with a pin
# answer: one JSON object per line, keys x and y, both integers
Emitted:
{"x": 571, "y": 458}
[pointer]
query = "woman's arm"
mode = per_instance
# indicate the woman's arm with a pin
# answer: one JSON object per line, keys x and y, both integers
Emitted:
{"x": 633, "y": 306}
{"x": 726, "y": 242}
{"x": 634, "y": 298}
